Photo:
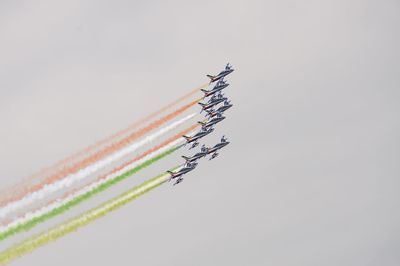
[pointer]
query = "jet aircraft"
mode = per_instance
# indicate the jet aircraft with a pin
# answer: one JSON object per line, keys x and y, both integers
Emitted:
{"x": 226, "y": 106}
{"x": 194, "y": 139}
{"x": 218, "y": 146}
{"x": 211, "y": 113}
{"x": 213, "y": 102}
{"x": 184, "y": 170}
{"x": 218, "y": 87}
{"x": 197, "y": 156}
{"x": 213, "y": 121}
{"x": 228, "y": 69}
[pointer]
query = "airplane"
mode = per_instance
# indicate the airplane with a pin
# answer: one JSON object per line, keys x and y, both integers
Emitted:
{"x": 228, "y": 69}
{"x": 220, "y": 95}
{"x": 194, "y": 158}
{"x": 226, "y": 106}
{"x": 218, "y": 146}
{"x": 184, "y": 170}
{"x": 197, "y": 136}
{"x": 211, "y": 113}
{"x": 213, "y": 121}
{"x": 212, "y": 103}
{"x": 219, "y": 87}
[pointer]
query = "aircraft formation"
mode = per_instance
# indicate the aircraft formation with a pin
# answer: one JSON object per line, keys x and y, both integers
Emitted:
{"x": 215, "y": 104}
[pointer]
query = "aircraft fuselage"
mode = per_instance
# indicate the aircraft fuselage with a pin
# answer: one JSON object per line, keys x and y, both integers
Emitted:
{"x": 222, "y": 75}
{"x": 217, "y": 147}
{"x": 213, "y": 103}
{"x": 214, "y": 121}
{"x": 216, "y": 89}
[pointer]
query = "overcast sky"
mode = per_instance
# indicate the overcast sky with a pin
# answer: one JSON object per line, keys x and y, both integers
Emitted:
{"x": 312, "y": 174}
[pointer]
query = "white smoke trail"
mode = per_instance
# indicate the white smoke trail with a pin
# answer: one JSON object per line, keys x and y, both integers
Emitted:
{"x": 71, "y": 179}
{"x": 48, "y": 208}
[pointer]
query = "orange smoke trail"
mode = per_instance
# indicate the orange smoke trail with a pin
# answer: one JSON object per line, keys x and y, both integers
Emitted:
{"x": 128, "y": 129}
{"x": 163, "y": 144}
{"x": 137, "y": 158}
{"x": 98, "y": 155}
{"x": 28, "y": 181}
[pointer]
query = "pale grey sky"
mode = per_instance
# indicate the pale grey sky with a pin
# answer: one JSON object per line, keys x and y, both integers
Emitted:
{"x": 312, "y": 174}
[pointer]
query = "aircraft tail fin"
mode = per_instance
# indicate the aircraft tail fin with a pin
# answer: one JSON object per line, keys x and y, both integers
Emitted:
{"x": 185, "y": 157}
{"x": 205, "y": 91}
{"x": 211, "y": 78}
{"x": 186, "y": 137}
{"x": 202, "y": 105}
{"x": 201, "y": 123}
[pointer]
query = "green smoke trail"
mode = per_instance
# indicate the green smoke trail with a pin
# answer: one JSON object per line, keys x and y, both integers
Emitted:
{"x": 79, "y": 199}
{"x": 83, "y": 219}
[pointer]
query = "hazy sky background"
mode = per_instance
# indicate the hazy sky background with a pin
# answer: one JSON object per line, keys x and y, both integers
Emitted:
{"x": 312, "y": 174}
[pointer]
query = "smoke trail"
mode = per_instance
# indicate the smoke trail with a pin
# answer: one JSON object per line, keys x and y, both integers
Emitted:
{"x": 99, "y": 143}
{"x": 57, "y": 207}
{"x": 85, "y": 218}
{"x": 100, "y": 154}
{"x": 71, "y": 179}
{"x": 129, "y": 128}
